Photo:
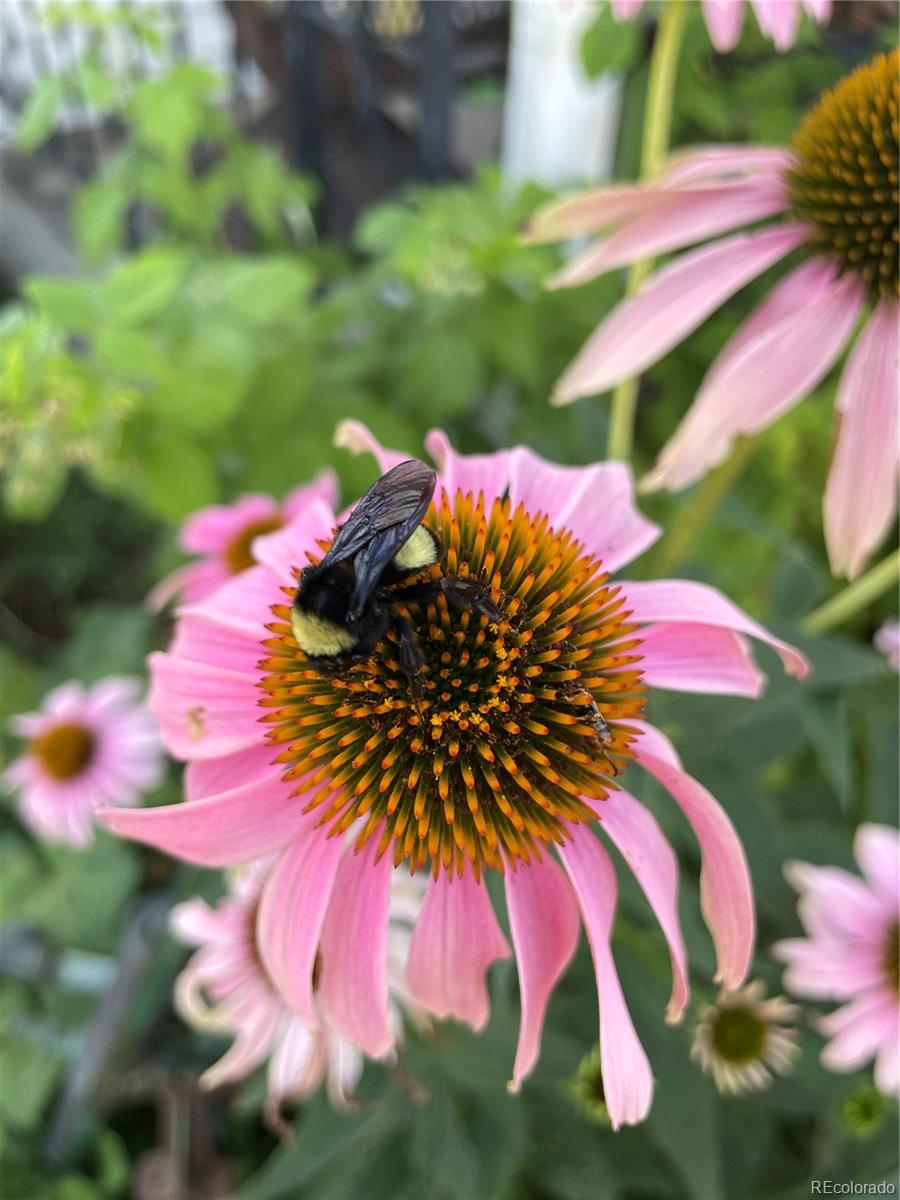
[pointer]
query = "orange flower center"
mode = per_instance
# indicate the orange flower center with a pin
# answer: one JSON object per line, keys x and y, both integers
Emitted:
{"x": 494, "y": 753}
{"x": 239, "y": 554}
{"x": 846, "y": 182}
{"x": 65, "y": 750}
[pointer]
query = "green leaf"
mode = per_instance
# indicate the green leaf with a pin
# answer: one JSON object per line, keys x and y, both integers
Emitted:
{"x": 168, "y": 114}
{"x": 34, "y": 1072}
{"x": 208, "y": 382}
{"x": 608, "y": 45}
{"x": 105, "y": 641}
{"x": 142, "y": 287}
{"x": 177, "y": 474}
{"x": 826, "y": 718}
{"x": 72, "y": 304}
{"x": 98, "y": 217}
{"x": 37, "y": 121}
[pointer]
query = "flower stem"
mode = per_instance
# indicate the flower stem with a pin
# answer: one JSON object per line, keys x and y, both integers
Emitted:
{"x": 654, "y": 147}
{"x": 693, "y": 515}
{"x": 851, "y": 599}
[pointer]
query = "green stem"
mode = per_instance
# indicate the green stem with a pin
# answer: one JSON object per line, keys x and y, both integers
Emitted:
{"x": 857, "y": 595}
{"x": 694, "y": 514}
{"x": 654, "y": 147}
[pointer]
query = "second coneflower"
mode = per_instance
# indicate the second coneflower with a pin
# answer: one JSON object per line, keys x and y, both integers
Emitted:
{"x": 837, "y": 187}
{"x": 490, "y": 764}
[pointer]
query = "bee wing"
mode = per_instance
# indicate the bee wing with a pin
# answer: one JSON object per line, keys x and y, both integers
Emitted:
{"x": 379, "y": 525}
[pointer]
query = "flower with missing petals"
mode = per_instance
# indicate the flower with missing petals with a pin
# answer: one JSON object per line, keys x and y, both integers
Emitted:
{"x": 852, "y": 953}
{"x": 225, "y": 988}
{"x": 743, "y": 1040}
{"x": 86, "y": 746}
{"x": 222, "y": 537}
{"x": 777, "y": 19}
{"x": 837, "y": 188}
{"x": 492, "y": 763}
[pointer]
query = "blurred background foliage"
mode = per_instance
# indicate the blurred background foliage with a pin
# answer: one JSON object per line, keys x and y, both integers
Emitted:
{"x": 209, "y": 346}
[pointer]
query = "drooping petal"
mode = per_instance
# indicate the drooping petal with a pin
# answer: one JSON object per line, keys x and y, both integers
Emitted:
{"x": 877, "y": 850}
{"x": 595, "y": 503}
{"x": 698, "y": 658}
{"x": 695, "y": 216}
{"x": 455, "y": 940}
{"x": 591, "y": 211}
{"x": 292, "y": 911}
{"x": 758, "y": 378}
{"x": 359, "y": 439}
{"x": 218, "y": 831}
{"x": 294, "y": 1062}
{"x": 778, "y": 20}
{"x": 861, "y": 493}
{"x": 207, "y": 776}
{"x": 819, "y": 10}
{"x": 683, "y": 600}
{"x": 203, "y": 711}
{"x": 544, "y": 922}
{"x": 627, "y": 1078}
{"x": 723, "y": 162}
{"x": 887, "y": 1066}
{"x": 638, "y": 838}
{"x": 726, "y": 893}
{"x": 672, "y": 303}
{"x": 474, "y": 473}
{"x": 251, "y": 1045}
{"x": 353, "y": 987}
{"x": 624, "y": 10}
{"x": 723, "y": 22}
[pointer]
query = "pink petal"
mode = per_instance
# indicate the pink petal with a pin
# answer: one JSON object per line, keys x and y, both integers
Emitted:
{"x": 858, "y": 1031}
{"x": 778, "y": 19}
{"x": 297, "y": 1062}
{"x": 473, "y": 473}
{"x": 627, "y": 1078}
{"x": 861, "y": 494}
{"x": 694, "y": 216}
{"x": 594, "y": 503}
{"x": 359, "y": 439}
{"x": 758, "y": 378}
{"x": 624, "y": 10}
{"x": 195, "y": 923}
{"x": 887, "y": 1066}
{"x": 210, "y": 636}
{"x": 591, "y": 211}
{"x": 250, "y": 1048}
{"x": 455, "y": 940}
{"x": 726, "y": 894}
{"x": 292, "y": 911}
{"x": 641, "y": 842}
{"x": 698, "y": 658}
{"x": 877, "y": 850}
{"x": 724, "y": 162}
{"x": 723, "y": 21}
{"x": 671, "y": 304}
{"x": 836, "y": 904}
{"x": 819, "y": 10}
{"x": 323, "y": 487}
{"x": 288, "y": 549}
{"x": 203, "y": 711}
{"x": 210, "y": 530}
{"x": 353, "y": 988}
{"x": 191, "y": 583}
{"x": 683, "y": 600}
{"x": 218, "y": 831}
{"x": 206, "y": 776}
{"x": 827, "y": 970}
{"x": 544, "y": 922}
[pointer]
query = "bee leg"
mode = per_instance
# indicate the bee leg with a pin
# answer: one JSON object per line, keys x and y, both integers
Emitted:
{"x": 462, "y": 594}
{"x": 411, "y": 659}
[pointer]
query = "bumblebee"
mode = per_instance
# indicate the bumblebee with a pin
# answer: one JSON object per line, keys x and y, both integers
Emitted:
{"x": 345, "y": 604}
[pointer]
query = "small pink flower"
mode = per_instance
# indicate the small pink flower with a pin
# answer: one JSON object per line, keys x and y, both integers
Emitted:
{"x": 225, "y": 988}
{"x": 222, "y": 535}
{"x": 844, "y": 222}
{"x": 852, "y": 952}
{"x": 777, "y": 19}
{"x": 87, "y": 746}
{"x": 887, "y": 640}
{"x": 489, "y": 766}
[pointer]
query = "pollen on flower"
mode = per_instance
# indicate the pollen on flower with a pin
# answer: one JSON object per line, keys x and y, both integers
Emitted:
{"x": 64, "y": 750}
{"x": 846, "y": 182}
{"x": 238, "y": 553}
{"x": 490, "y": 753}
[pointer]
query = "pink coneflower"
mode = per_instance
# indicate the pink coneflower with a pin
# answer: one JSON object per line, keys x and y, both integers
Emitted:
{"x": 887, "y": 640}
{"x": 490, "y": 764}
{"x": 222, "y": 535}
{"x": 87, "y": 746}
{"x": 838, "y": 187}
{"x": 851, "y": 952}
{"x": 225, "y": 988}
{"x": 777, "y": 19}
